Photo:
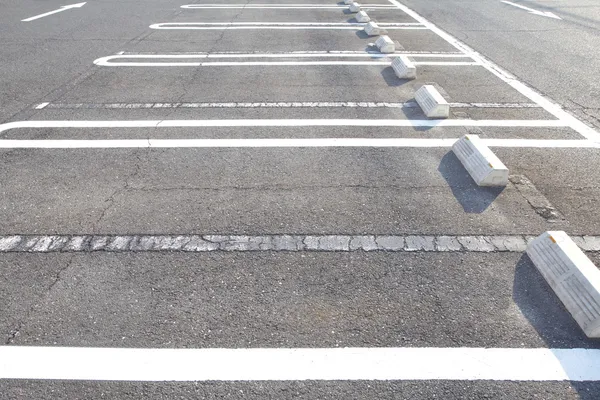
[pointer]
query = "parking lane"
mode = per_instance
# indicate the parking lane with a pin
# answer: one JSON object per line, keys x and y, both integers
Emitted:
{"x": 317, "y": 300}
{"x": 259, "y": 191}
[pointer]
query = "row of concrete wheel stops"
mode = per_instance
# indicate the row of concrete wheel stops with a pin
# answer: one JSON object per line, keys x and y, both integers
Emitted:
{"x": 565, "y": 267}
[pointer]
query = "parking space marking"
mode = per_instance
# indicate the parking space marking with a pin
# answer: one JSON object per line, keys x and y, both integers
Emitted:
{"x": 302, "y": 53}
{"x": 283, "y": 364}
{"x": 281, "y": 25}
{"x": 107, "y": 62}
{"x": 286, "y": 6}
{"x": 315, "y": 54}
{"x": 318, "y": 243}
{"x": 340, "y": 104}
{"x": 283, "y": 143}
{"x": 213, "y": 123}
{"x": 527, "y": 91}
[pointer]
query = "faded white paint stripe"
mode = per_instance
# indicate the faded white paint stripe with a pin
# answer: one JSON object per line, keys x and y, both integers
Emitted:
{"x": 41, "y": 106}
{"x": 282, "y": 143}
{"x": 286, "y": 364}
{"x": 340, "y": 104}
{"x": 277, "y": 123}
{"x": 267, "y": 242}
{"x": 532, "y": 94}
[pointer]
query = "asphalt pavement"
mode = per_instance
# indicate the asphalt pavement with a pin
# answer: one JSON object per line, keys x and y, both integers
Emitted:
{"x": 140, "y": 212}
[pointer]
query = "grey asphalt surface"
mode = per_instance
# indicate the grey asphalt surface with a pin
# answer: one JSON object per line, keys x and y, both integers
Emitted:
{"x": 273, "y": 299}
{"x": 558, "y": 57}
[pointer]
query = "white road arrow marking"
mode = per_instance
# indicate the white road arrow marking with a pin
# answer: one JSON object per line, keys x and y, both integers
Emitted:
{"x": 532, "y": 11}
{"x": 63, "y": 8}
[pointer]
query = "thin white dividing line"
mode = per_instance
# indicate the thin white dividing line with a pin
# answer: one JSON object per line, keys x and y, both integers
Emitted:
{"x": 348, "y": 104}
{"x": 315, "y": 54}
{"x": 532, "y": 94}
{"x": 103, "y": 63}
{"x": 295, "y": 364}
{"x": 106, "y": 62}
{"x": 355, "y": 24}
{"x": 299, "y": 27}
{"x": 303, "y": 53}
{"x": 285, "y": 6}
{"x": 447, "y": 63}
{"x": 213, "y": 123}
{"x": 41, "y": 105}
{"x": 279, "y": 25}
{"x": 284, "y": 143}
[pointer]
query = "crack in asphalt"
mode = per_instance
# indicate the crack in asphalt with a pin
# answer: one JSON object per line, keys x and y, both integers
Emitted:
{"x": 16, "y": 331}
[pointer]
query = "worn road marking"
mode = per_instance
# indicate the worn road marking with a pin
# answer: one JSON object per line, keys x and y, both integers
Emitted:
{"x": 321, "y": 243}
{"x": 282, "y": 364}
{"x": 533, "y": 95}
{"x": 316, "y": 104}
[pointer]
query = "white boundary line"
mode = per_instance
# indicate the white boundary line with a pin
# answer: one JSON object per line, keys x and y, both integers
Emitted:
{"x": 286, "y": 364}
{"x": 212, "y": 123}
{"x": 303, "y": 53}
{"x": 547, "y": 104}
{"x": 316, "y": 54}
{"x": 355, "y": 24}
{"x": 286, "y": 6}
{"x": 279, "y": 25}
{"x": 284, "y": 143}
{"x": 107, "y": 62}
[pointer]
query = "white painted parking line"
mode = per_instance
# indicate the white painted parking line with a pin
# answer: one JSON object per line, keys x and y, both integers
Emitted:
{"x": 533, "y": 95}
{"x": 279, "y": 25}
{"x": 213, "y": 123}
{"x": 386, "y": 24}
{"x": 265, "y": 242}
{"x": 315, "y": 104}
{"x": 284, "y": 6}
{"x": 108, "y": 62}
{"x": 295, "y": 54}
{"x": 284, "y": 143}
{"x": 283, "y": 364}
